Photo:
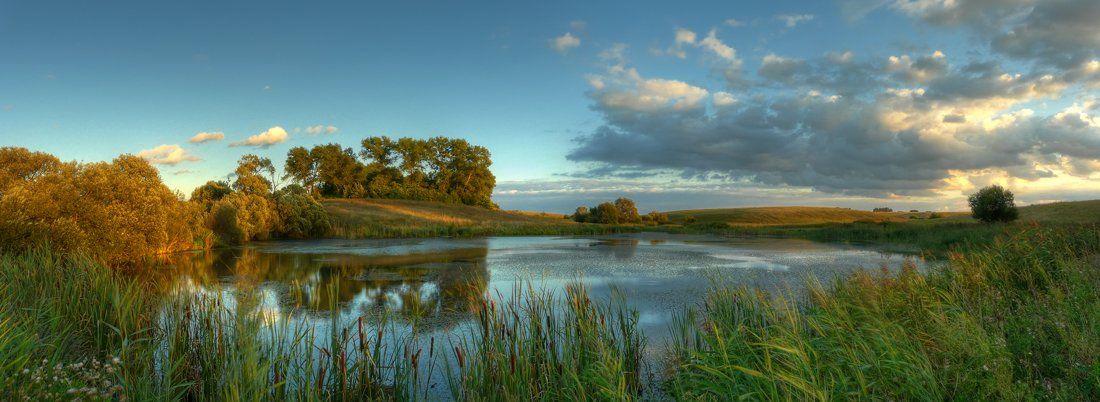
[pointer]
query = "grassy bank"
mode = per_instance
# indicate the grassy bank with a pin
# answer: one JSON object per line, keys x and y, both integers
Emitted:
{"x": 1015, "y": 319}
{"x": 379, "y": 218}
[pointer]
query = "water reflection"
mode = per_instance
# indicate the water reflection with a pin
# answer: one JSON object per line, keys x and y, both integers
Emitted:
{"x": 444, "y": 283}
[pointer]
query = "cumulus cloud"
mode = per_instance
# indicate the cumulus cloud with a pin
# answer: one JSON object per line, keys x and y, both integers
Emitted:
{"x": 1060, "y": 33}
{"x": 207, "y": 137}
{"x": 271, "y": 136}
{"x": 167, "y": 154}
{"x": 320, "y": 128}
{"x": 792, "y": 20}
{"x": 565, "y": 42}
{"x": 912, "y": 125}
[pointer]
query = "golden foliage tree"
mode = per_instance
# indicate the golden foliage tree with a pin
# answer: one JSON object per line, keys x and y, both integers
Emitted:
{"x": 118, "y": 211}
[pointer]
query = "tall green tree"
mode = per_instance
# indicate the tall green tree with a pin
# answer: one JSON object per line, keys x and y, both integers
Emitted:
{"x": 301, "y": 168}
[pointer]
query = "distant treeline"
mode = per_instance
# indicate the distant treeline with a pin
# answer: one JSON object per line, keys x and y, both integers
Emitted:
{"x": 622, "y": 211}
{"x": 436, "y": 169}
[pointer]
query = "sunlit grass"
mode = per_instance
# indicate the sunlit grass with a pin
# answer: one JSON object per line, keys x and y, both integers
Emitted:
{"x": 1014, "y": 320}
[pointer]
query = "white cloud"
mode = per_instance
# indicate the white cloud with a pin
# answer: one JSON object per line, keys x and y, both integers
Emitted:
{"x": 321, "y": 128}
{"x": 565, "y": 42}
{"x": 792, "y": 20}
{"x": 207, "y": 137}
{"x": 272, "y": 136}
{"x": 734, "y": 22}
{"x": 166, "y": 154}
{"x": 684, "y": 36}
{"x": 712, "y": 43}
{"x": 722, "y": 98}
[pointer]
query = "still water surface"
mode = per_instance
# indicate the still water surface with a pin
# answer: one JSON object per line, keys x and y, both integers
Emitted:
{"x": 440, "y": 281}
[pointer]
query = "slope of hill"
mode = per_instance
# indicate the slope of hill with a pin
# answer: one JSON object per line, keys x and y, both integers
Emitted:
{"x": 1063, "y": 212}
{"x": 374, "y": 218}
{"x": 797, "y": 216}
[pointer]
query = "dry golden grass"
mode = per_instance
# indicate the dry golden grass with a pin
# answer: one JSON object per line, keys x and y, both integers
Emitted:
{"x": 377, "y": 218}
{"x": 428, "y": 213}
{"x": 791, "y": 216}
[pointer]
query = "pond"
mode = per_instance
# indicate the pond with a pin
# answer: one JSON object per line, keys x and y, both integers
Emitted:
{"x": 438, "y": 283}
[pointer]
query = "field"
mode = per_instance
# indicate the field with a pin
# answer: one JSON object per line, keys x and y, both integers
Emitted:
{"x": 379, "y": 218}
{"x": 932, "y": 233}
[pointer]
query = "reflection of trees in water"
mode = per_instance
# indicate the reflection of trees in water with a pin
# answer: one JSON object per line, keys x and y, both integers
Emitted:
{"x": 440, "y": 283}
{"x": 621, "y": 249}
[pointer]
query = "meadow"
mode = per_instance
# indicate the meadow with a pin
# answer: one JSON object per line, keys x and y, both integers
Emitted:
{"x": 387, "y": 218}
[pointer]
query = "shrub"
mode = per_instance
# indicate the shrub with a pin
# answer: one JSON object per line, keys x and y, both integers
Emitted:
{"x": 605, "y": 213}
{"x": 241, "y": 217}
{"x": 993, "y": 204}
{"x": 300, "y": 216}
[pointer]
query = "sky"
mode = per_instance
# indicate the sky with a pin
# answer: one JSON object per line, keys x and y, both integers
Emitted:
{"x": 911, "y": 104}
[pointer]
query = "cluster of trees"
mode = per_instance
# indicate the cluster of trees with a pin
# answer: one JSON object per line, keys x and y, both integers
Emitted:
{"x": 116, "y": 211}
{"x": 622, "y": 211}
{"x": 436, "y": 169}
{"x": 252, "y": 208}
{"x": 121, "y": 212}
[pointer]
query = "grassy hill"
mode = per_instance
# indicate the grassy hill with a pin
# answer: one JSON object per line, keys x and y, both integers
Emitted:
{"x": 797, "y": 216}
{"x": 377, "y": 218}
{"x": 1063, "y": 212}
{"x": 1059, "y": 212}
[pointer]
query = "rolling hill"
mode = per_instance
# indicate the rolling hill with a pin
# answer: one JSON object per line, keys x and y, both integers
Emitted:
{"x": 371, "y": 218}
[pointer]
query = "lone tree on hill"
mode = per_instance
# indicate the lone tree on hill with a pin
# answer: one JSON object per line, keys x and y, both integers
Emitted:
{"x": 993, "y": 204}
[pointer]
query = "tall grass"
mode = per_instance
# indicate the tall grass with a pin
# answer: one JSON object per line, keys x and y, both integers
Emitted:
{"x": 1013, "y": 319}
{"x": 540, "y": 346}
{"x": 70, "y": 327}
{"x": 1019, "y": 319}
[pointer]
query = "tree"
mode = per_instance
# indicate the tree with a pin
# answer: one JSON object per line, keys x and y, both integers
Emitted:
{"x": 254, "y": 217}
{"x": 250, "y": 175}
{"x": 339, "y": 173}
{"x": 993, "y": 204}
{"x": 628, "y": 212}
{"x": 580, "y": 215}
{"x": 657, "y": 218}
{"x": 301, "y": 168}
{"x": 605, "y": 213}
{"x": 118, "y": 211}
{"x": 300, "y": 216}
{"x": 207, "y": 194}
{"x": 19, "y": 165}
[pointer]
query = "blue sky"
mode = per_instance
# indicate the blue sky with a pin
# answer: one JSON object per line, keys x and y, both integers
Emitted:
{"x": 91, "y": 80}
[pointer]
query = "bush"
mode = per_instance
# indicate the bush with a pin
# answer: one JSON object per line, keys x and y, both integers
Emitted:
{"x": 993, "y": 204}
{"x": 241, "y": 217}
{"x": 300, "y": 216}
{"x": 656, "y": 218}
{"x": 605, "y": 213}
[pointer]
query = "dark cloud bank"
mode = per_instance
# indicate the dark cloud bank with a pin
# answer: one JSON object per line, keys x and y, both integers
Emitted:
{"x": 903, "y": 125}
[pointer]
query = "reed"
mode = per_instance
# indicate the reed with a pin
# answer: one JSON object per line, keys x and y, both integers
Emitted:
{"x": 536, "y": 345}
{"x": 1013, "y": 320}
